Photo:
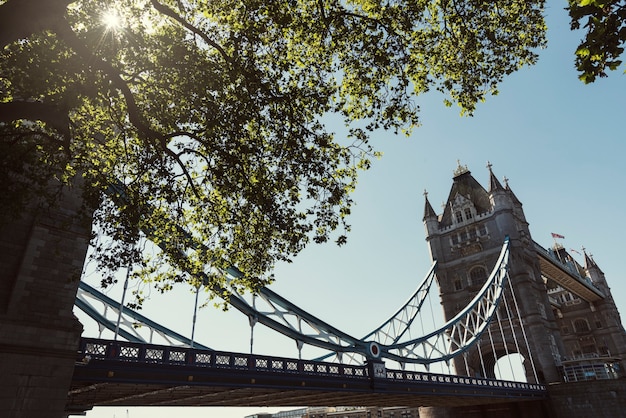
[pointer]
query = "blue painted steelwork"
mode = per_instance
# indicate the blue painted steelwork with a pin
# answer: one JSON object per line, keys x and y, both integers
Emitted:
{"x": 455, "y": 337}
{"x": 102, "y": 320}
{"x": 452, "y": 339}
{"x": 396, "y": 327}
{"x": 141, "y": 320}
{"x": 393, "y": 329}
{"x": 116, "y": 362}
{"x": 464, "y": 330}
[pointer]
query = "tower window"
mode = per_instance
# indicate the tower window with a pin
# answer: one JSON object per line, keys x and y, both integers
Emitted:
{"x": 458, "y": 284}
{"x": 482, "y": 230}
{"x": 589, "y": 349}
{"x": 478, "y": 276}
{"x": 459, "y": 217}
{"x": 468, "y": 213}
{"x": 581, "y": 325}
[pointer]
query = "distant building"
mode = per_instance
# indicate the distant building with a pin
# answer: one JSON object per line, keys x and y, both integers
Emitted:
{"x": 343, "y": 412}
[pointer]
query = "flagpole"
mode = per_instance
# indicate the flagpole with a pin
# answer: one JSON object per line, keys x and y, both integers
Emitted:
{"x": 557, "y": 247}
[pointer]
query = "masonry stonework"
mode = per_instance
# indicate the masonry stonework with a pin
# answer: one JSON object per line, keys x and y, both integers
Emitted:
{"x": 466, "y": 240}
{"x": 42, "y": 258}
{"x": 575, "y": 335}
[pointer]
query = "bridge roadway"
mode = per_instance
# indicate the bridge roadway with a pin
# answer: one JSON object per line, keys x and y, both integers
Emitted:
{"x": 134, "y": 374}
{"x": 566, "y": 275}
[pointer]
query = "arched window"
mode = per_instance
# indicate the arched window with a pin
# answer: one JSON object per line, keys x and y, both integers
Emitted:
{"x": 581, "y": 325}
{"x": 478, "y": 275}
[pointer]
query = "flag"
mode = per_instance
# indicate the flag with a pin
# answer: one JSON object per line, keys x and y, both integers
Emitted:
{"x": 571, "y": 249}
{"x": 557, "y": 236}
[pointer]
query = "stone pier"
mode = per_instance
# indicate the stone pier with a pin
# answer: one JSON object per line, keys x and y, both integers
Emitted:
{"x": 41, "y": 258}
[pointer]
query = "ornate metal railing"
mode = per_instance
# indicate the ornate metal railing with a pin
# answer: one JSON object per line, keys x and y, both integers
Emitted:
{"x": 121, "y": 351}
{"x": 92, "y": 348}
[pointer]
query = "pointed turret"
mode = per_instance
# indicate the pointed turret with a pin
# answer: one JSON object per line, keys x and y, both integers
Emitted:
{"x": 430, "y": 217}
{"x": 498, "y": 196}
{"x": 429, "y": 212}
{"x": 595, "y": 274}
{"x": 494, "y": 184}
{"x": 466, "y": 194}
{"x": 590, "y": 263}
{"x": 517, "y": 205}
{"x": 514, "y": 198}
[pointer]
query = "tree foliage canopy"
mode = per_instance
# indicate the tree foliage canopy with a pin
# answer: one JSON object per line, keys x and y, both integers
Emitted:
{"x": 199, "y": 123}
{"x": 605, "y": 24}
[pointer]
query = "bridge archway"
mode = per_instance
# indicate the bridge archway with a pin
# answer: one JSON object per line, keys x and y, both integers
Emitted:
{"x": 511, "y": 367}
{"x": 506, "y": 364}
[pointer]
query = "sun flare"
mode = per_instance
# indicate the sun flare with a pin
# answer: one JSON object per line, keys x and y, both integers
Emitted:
{"x": 111, "y": 20}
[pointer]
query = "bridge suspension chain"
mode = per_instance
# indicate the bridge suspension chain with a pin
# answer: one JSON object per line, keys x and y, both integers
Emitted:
{"x": 462, "y": 331}
{"x": 453, "y": 338}
{"x": 392, "y": 330}
{"x": 124, "y": 320}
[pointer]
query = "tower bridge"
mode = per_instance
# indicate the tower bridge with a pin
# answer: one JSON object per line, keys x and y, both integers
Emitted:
{"x": 132, "y": 373}
{"x": 557, "y": 315}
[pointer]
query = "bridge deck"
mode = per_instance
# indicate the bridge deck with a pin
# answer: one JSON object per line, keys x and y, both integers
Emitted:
{"x": 562, "y": 274}
{"x": 131, "y": 374}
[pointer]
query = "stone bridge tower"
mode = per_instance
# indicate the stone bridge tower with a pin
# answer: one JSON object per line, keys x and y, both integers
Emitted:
{"x": 466, "y": 240}
{"x": 42, "y": 258}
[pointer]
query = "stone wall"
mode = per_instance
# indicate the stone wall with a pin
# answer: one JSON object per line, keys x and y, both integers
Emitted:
{"x": 528, "y": 409}
{"x": 592, "y": 398}
{"x": 42, "y": 257}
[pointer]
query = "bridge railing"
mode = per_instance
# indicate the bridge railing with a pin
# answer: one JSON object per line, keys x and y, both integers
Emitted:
{"x": 93, "y": 348}
{"x": 122, "y": 351}
{"x": 413, "y": 377}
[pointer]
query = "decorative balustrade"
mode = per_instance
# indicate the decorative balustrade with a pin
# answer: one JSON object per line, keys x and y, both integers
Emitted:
{"x": 121, "y": 351}
{"x": 460, "y": 380}
{"x": 92, "y": 348}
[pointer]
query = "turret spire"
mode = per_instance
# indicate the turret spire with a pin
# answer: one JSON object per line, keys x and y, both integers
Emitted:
{"x": 460, "y": 169}
{"x": 494, "y": 184}
{"x": 589, "y": 261}
{"x": 429, "y": 212}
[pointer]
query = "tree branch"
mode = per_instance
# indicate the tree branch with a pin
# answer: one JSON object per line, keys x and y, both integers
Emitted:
{"x": 157, "y": 139}
{"x": 65, "y": 32}
{"x": 21, "y": 18}
{"x": 161, "y": 8}
{"x": 51, "y": 115}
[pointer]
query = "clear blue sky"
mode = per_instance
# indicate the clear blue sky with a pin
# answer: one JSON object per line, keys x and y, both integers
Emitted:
{"x": 560, "y": 143}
